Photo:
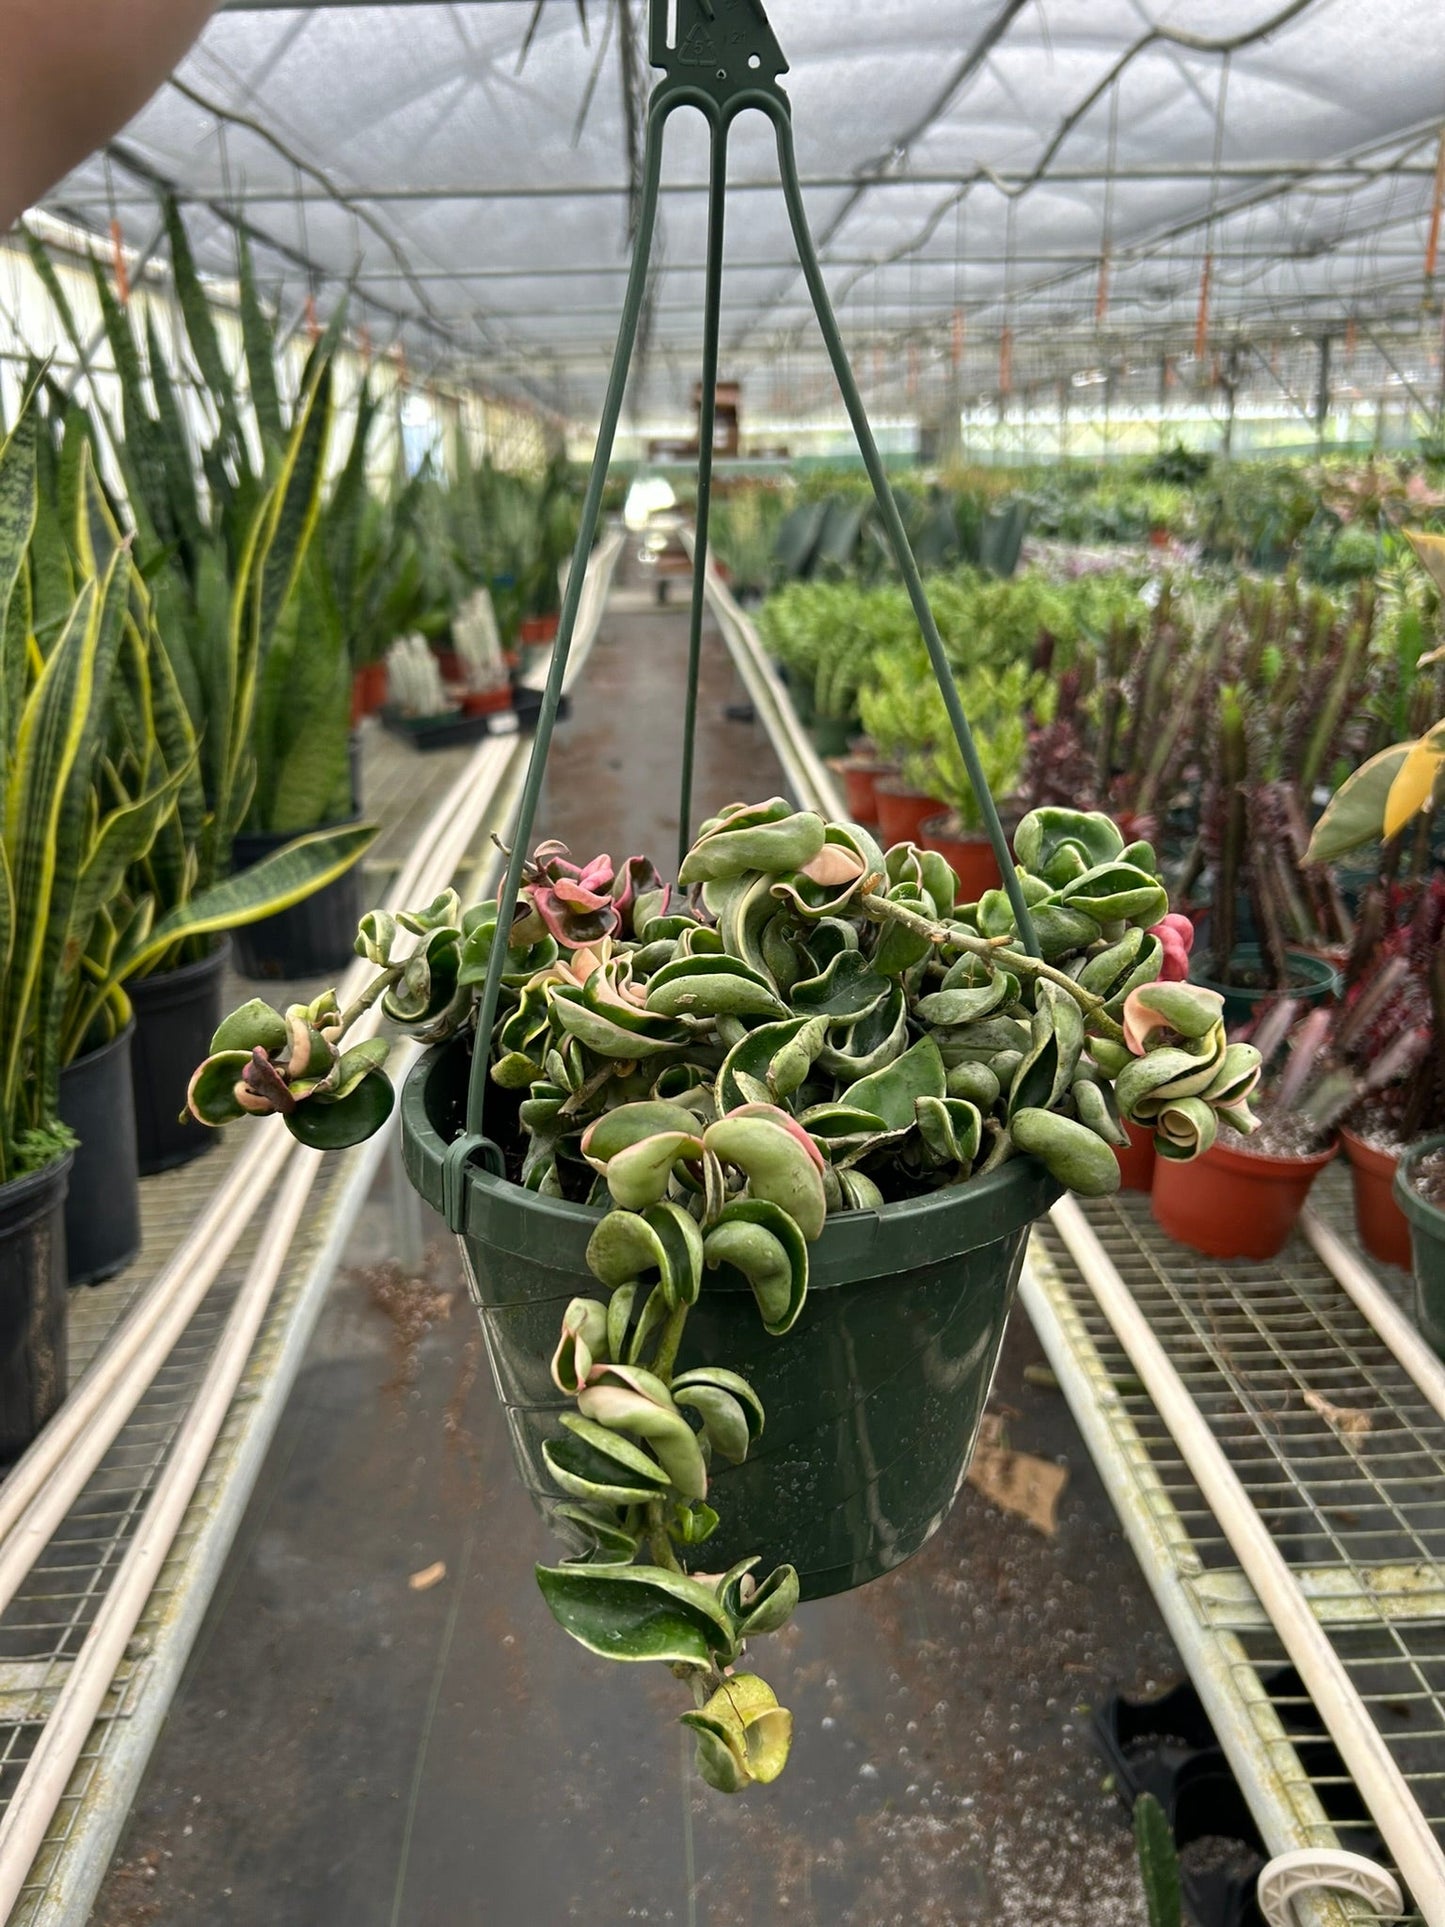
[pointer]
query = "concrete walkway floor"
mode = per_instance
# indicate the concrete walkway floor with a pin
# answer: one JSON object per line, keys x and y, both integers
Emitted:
{"x": 381, "y": 1727}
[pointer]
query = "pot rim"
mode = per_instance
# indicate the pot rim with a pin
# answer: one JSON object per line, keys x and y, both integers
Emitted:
{"x": 853, "y": 1245}
{"x": 938, "y": 826}
{"x": 1367, "y": 1156}
{"x": 1327, "y": 977}
{"x": 183, "y": 974}
{"x": 38, "y": 1190}
{"x": 1225, "y": 1157}
{"x": 1419, "y": 1210}
{"x": 111, "y": 1046}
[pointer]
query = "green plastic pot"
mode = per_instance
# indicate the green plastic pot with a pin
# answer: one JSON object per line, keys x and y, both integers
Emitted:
{"x": 1312, "y": 981}
{"x": 874, "y": 1398}
{"x": 832, "y": 734}
{"x": 1427, "y": 1243}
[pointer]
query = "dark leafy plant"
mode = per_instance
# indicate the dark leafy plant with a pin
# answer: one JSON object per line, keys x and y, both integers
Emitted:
{"x": 801, "y": 1026}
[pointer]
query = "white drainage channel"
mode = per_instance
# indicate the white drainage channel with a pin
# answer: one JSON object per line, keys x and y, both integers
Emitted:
{"x": 41, "y": 1488}
{"x": 1205, "y": 1607}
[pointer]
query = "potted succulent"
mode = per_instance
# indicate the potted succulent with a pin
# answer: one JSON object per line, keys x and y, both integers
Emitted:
{"x": 760, "y": 1154}
{"x": 901, "y": 711}
{"x": 1007, "y": 705}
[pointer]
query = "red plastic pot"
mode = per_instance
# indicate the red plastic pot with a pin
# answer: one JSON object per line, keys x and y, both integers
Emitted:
{"x": 971, "y": 858}
{"x": 1383, "y": 1227}
{"x": 486, "y": 702}
{"x": 1234, "y": 1204}
{"x": 368, "y": 690}
{"x": 860, "y": 776}
{"x": 1137, "y": 1160}
{"x": 902, "y": 811}
{"x": 536, "y": 630}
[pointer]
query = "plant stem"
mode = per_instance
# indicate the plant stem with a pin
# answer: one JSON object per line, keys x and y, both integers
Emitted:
{"x": 996, "y": 950}
{"x": 378, "y": 987}
{"x": 658, "y": 1542}
{"x": 667, "y": 1345}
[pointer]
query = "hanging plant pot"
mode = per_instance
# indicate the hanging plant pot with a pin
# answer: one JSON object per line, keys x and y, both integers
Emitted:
{"x": 1383, "y": 1228}
{"x": 310, "y": 938}
{"x": 32, "y": 1303}
{"x": 970, "y": 857}
{"x": 1311, "y": 980}
{"x": 902, "y": 811}
{"x": 102, "y": 1206}
{"x": 1137, "y": 1160}
{"x": 1231, "y": 1203}
{"x": 176, "y": 1014}
{"x": 874, "y": 1398}
{"x": 1427, "y": 1240}
{"x": 832, "y": 734}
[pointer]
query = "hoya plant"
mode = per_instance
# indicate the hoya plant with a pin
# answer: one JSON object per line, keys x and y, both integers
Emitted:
{"x": 802, "y": 1026}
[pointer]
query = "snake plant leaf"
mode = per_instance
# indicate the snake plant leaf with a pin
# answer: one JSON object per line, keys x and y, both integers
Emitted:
{"x": 1055, "y": 1046}
{"x": 846, "y": 991}
{"x": 300, "y": 869}
{"x": 200, "y": 323}
{"x": 601, "y": 1467}
{"x": 892, "y": 1093}
{"x": 637, "y": 1613}
{"x": 769, "y": 836}
{"x": 780, "y": 1161}
{"x": 582, "y": 1343}
{"x": 252, "y": 1023}
{"x": 742, "y": 1733}
{"x": 625, "y": 1398}
{"x": 1061, "y": 844}
{"x": 211, "y": 1094}
{"x": 258, "y": 344}
{"x": 711, "y": 987}
{"x": 335, "y": 1123}
{"x": 599, "y": 1525}
{"x": 628, "y": 1124}
{"x": 1068, "y": 1150}
{"x": 764, "y": 1243}
{"x": 951, "y": 1127}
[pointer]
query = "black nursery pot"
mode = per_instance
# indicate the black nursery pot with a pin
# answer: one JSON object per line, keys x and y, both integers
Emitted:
{"x": 102, "y": 1208}
{"x": 32, "y": 1303}
{"x": 312, "y": 938}
{"x": 176, "y": 1015}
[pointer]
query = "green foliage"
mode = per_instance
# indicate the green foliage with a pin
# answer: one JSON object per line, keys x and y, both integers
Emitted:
{"x": 1158, "y": 1863}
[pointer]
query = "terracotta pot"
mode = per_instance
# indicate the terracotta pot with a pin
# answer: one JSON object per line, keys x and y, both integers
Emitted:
{"x": 1234, "y": 1204}
{"x": 450, "y": 665}
{"x": 859, "y": 776}
{"x": 1137, "y": 1161}
{"x": 1383, "y": 1227}
{"x": 486, "y": 702}
{"x": 901, "y": 811}
{"x": 970, "y": 857}
{"x": 536, "y": 630}
{"x": 368, "y": 690}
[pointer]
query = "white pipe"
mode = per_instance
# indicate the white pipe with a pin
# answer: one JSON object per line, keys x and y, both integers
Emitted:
{"x": 1369, "y": 1761}
{"x": 440, "y": 851}
{"x": 1375, "y": 1305}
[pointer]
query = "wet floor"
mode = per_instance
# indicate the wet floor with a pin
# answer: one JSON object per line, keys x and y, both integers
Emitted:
{"x": 363, "y": 1739}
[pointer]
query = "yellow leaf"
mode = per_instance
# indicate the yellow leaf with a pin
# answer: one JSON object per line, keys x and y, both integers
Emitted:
{"x": 1431, "y": 551}
{"x": 1413, "y": 786}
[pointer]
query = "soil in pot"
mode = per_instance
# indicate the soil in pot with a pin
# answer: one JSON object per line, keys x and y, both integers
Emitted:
{"x": 102, "y": 1206}
{"x": 1420, "y": 1191}
{"x": 970, "y": 857}
{"x": 1137, "y": 1160}
{"x": 1311, "y": 980}
{"x": 1241, "y": 1199}
{"x": 176, "y": 1014}
{"x": 902, "y": 811}
{"x": 33, "y": 1359}
{"x": 1383, "y": 1228}
{"x": 312, "y": 938}
{"x": 873, "y": 1400}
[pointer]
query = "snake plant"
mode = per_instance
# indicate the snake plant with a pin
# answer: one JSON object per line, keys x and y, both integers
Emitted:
{"x": 801, "y": 1026}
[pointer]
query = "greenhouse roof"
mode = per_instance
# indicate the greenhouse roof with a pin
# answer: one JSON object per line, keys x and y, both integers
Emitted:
{"x": 1052, "y": 174}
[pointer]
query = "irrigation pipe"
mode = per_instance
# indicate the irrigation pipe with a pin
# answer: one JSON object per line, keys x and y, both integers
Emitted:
{"x": 44, "y": 1483}
{"x": 1368, "y": 1760}
{"x": 47, "y": 1774}
{"x": 1374, "y": 1304}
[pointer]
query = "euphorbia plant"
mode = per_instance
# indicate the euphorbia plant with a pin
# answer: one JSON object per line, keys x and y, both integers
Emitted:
{"x": 803, "y": 1026}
